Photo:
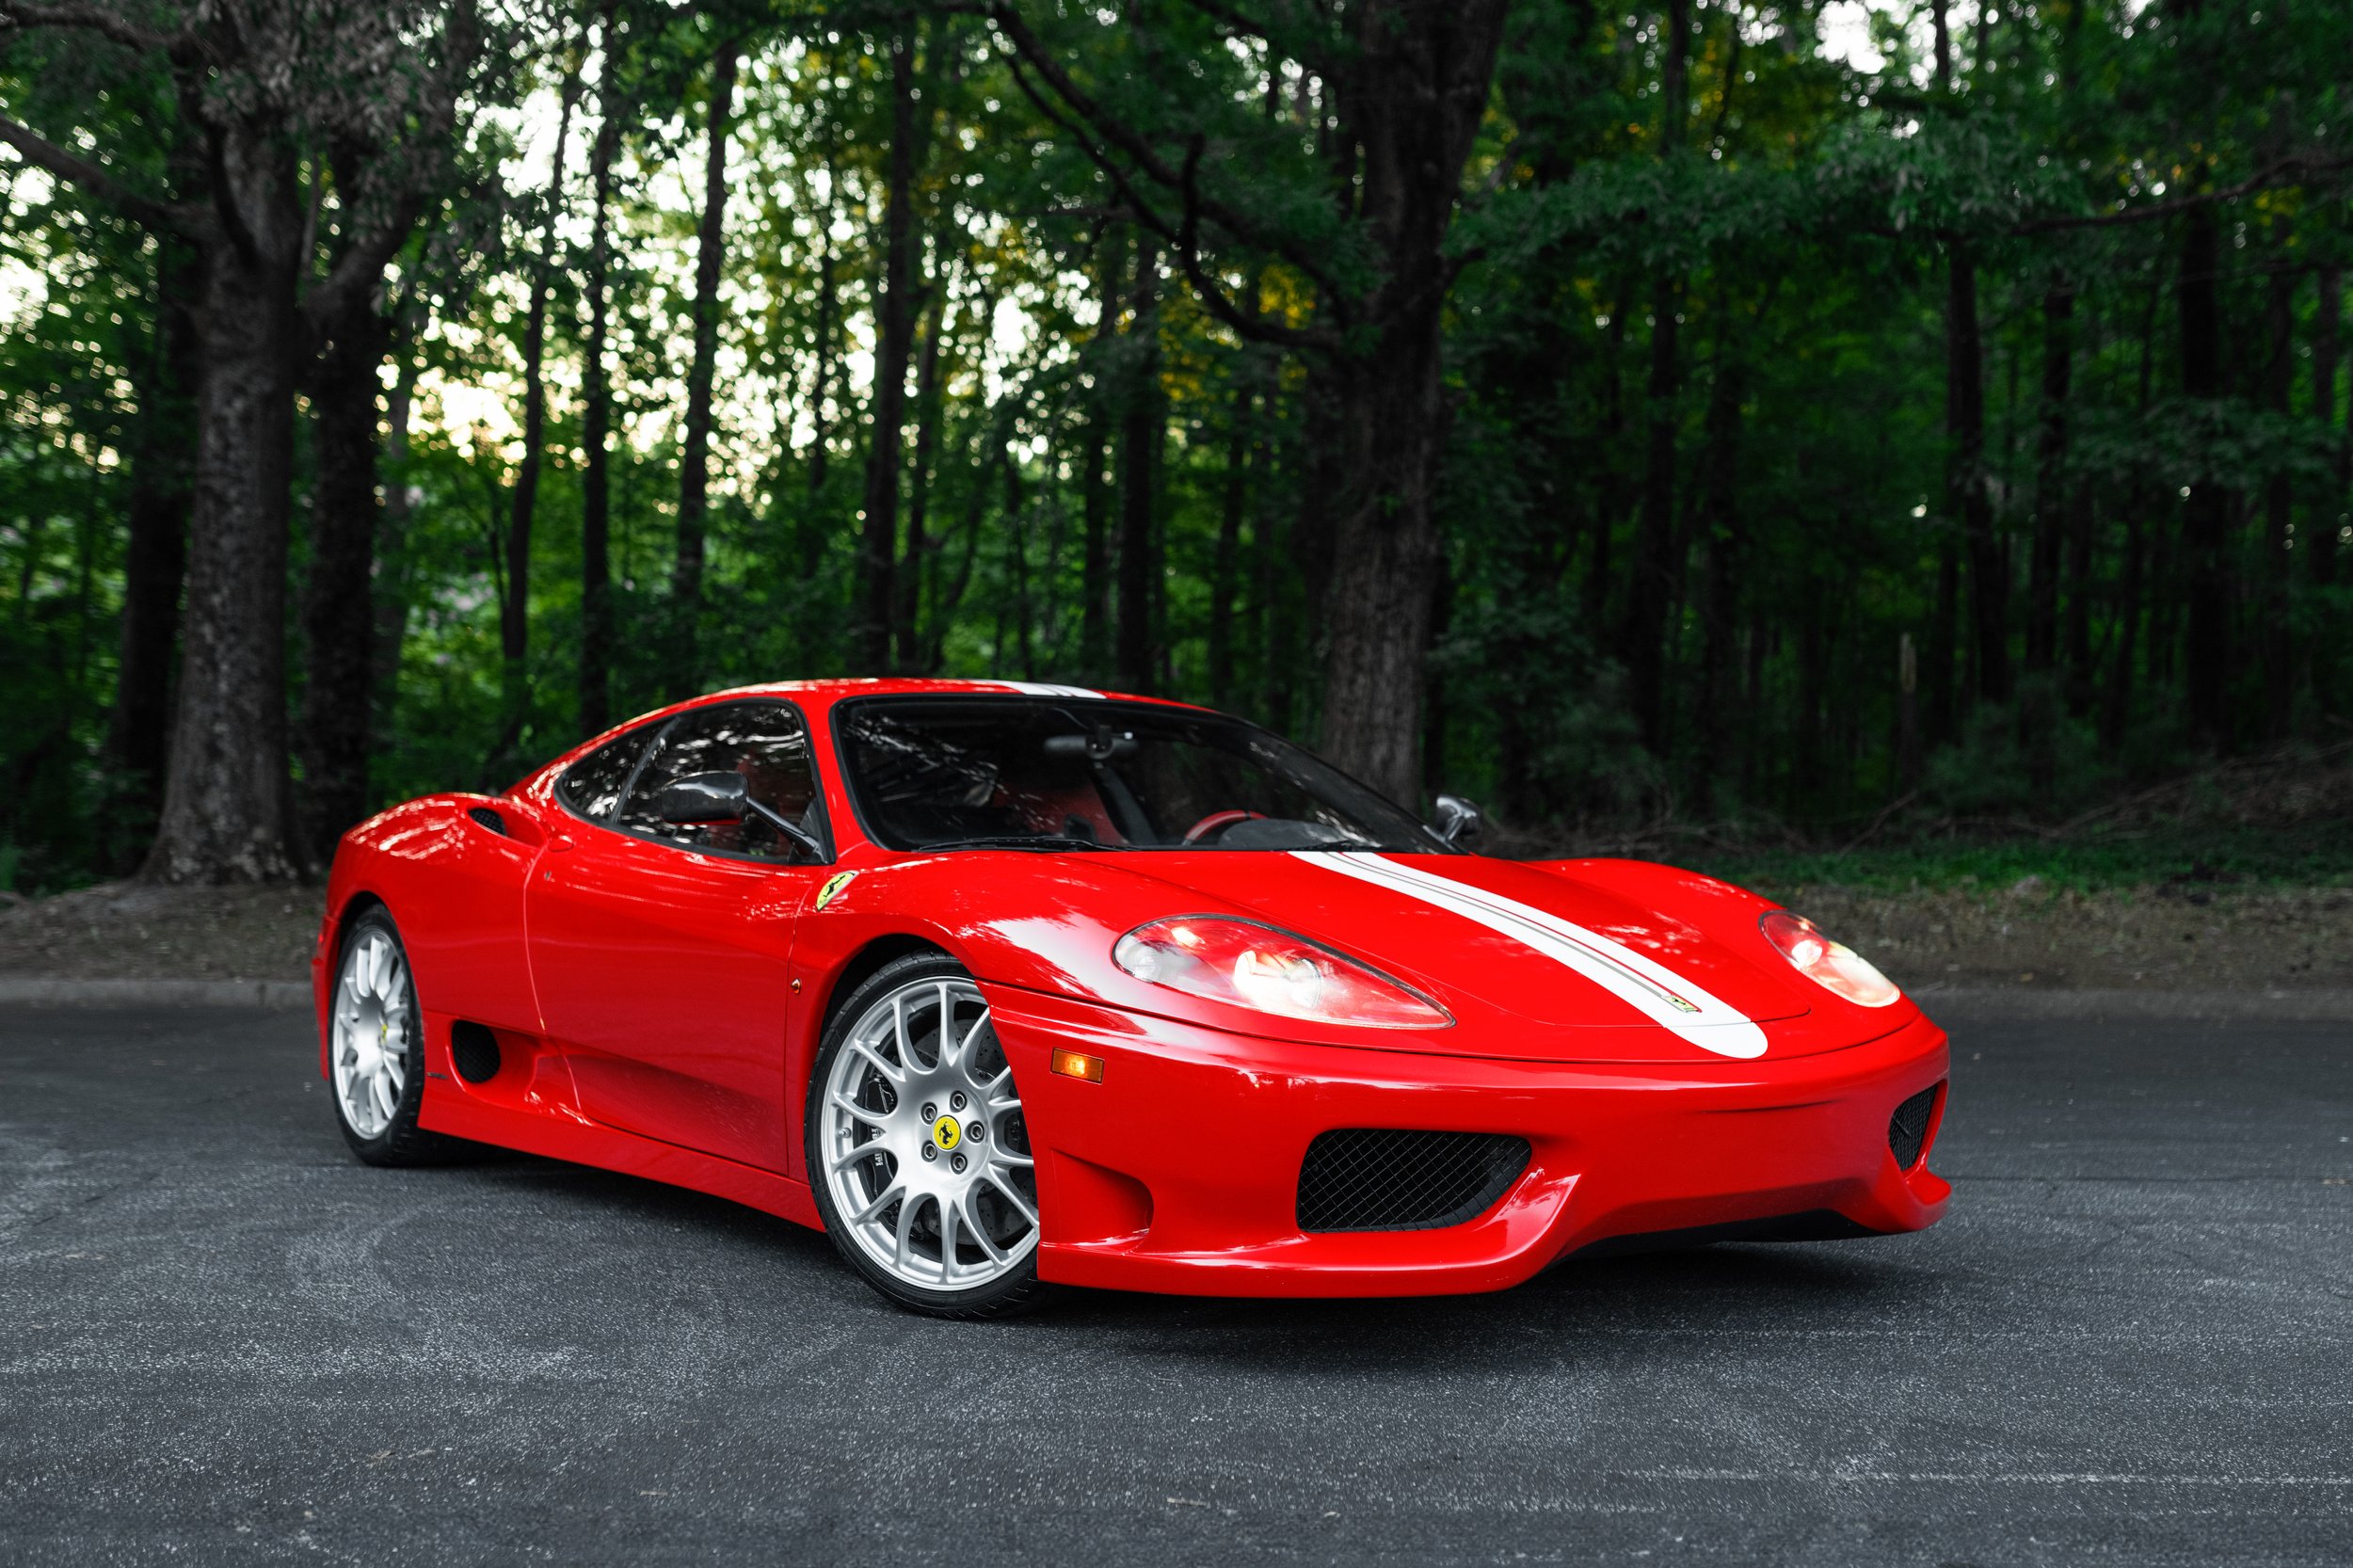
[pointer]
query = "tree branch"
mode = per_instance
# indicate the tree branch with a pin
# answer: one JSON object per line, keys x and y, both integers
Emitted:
{"x": 1041, "y": 60}
{"x": 1254, "y": 325}
{"x": 1182, "y": 237}
{"x": 1131, "y": 199}
{"x": 2288, "y": 170}
{"x": 1234, "y": 22}
{"x": 105, "y": 22}
{"x": 87, "y": 176}
{"x": 359, "y": 268}
{"x": 1242, "y": 25}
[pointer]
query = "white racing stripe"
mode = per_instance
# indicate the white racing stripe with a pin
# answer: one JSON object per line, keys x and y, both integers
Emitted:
{"x": 1033, "y": 688}
{"x": 1655, "y": 991}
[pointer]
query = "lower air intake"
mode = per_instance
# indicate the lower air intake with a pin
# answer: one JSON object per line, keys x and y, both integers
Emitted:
{"x": 473, "y": 1050}
{"x": 1380, "y": 1178}
{"x": 1908, "y": 1128}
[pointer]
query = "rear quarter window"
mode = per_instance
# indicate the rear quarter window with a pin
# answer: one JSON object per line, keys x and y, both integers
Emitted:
{"x": 593, "y": 785}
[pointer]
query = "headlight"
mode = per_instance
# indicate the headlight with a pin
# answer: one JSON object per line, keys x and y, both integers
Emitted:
{"x": 1826, "y": 963}
{"x": 1267, "y": 970}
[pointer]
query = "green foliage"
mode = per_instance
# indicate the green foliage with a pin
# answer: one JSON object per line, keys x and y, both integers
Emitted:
{"x": 1801, "y": 223}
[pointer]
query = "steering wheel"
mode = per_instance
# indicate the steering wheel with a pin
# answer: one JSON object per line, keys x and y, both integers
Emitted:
{"x": 1216, "y": 823}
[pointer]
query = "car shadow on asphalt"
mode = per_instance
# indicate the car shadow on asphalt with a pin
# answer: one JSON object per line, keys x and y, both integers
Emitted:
{"x": 613, "y": 1194}
{"x": 1664, "y": 1300}
{"x": 1666, "y": 1297}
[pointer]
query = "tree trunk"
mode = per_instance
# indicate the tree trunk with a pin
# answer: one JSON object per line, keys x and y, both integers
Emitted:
{"x": 1610, "y": 485}
{"x": 939, "y": 321}
{"x": 1642, "y": 641}
{"x": 1094, "y": 491}
{"x": 225, "y": 813}
{"x": 1965, "y": 480}
{"x": 1139, "y": 450}
{"x": 1434, "y": 709}
{"x": 515, "y": 604}
{"x": 821, "y": 374}
{"x": 154, "y": 563}
{"x": 2116, "y": 711}
{"x": 1265, "y": 563}
{"x": 1225, "y": 558}
{"x": 2051, "y": 490}
{"x": 338, "y": 622}
{"x": 2039, "y": 712}
{"x": 2080, "y": 663}
{"x": 1018, "y": 541}
{"x": 392, "y": 551}
{"x": 694, "y": 501}
{"x": 1944, "y": 702}
{"x": 1813, "y": 657}
{"x": 2327, "y": 349}
{"x": 989, "y": 449}
{"x": 2279, "y": 540}
{"x": 596, "y": 419}
{"x": 1273, "y": 553}
{"x": 813, "y": 529}
{"x": 1720, "y": 728}
{"x": 1378, "y": 598}
{"x": 2206, "y": 515}
{"x": 1412, "y": 97}
{"x": 1322, "y": 464}
{"x": 895, "y": 312}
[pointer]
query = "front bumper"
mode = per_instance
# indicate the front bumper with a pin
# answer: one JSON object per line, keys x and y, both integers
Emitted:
{"x": 1178, "y": 1172}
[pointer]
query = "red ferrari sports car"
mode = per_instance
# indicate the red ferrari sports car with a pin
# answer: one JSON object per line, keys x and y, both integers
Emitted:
{"x": 1003, "y": 984}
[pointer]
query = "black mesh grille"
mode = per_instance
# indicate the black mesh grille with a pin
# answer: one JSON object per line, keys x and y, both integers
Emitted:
{"x": 488, "y": 818}
{"x": 1908, "y": 1128}
{"x": 1379, "y": 1178}
{"x": 473, "y": 1050}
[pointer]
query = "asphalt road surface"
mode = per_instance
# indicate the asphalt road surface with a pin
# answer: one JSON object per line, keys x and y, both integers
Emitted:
{"x": 221, "y": 1340}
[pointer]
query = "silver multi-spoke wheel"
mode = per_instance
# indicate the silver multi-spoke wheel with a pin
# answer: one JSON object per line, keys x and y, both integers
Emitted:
{"x": 925, "y": 1155}
{"x": 371, "y": 1026}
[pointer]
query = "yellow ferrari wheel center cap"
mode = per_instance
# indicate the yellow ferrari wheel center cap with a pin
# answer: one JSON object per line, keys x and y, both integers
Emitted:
{"x": 946, "y": 1134}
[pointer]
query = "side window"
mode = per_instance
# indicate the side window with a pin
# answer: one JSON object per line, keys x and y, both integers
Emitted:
{"x": 767, "y": 743}
{"x": 593, "y": 785}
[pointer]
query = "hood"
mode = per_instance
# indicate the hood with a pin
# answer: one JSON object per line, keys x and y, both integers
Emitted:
{"x": 1579, "y": 961}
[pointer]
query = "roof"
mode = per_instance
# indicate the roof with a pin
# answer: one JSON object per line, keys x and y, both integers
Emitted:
{"x": 837, "y": 687}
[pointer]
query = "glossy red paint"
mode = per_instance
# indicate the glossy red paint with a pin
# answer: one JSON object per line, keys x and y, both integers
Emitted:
{"x": 657, "y": 1010}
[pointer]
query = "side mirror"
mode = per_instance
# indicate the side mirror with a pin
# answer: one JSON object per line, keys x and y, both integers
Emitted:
{"x": 1458, "y": 819}
{"x": 702, "y": 797}
{"x": 708, "y": 797}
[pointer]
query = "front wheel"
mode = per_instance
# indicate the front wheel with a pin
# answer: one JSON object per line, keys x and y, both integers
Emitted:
{"x": 375, "y": 1049}
{"x": 917, "y": 1152}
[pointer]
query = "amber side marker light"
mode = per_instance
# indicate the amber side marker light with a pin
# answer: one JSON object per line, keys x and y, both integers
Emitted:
{"x": 1071, "y": 1064}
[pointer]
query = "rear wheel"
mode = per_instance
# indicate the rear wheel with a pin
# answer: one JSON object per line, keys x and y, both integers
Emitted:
{"x": 918, "y": 1151}
{"x": 375, "y": 1049}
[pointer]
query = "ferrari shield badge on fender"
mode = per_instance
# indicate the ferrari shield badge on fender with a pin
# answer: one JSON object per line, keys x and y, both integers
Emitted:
{"x": 834, "y": 884}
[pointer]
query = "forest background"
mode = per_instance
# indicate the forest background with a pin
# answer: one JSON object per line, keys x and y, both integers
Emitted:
{"x": 1766, "y": 423}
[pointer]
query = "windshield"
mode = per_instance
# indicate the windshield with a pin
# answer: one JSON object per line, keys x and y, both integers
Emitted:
{"x": 934, "y": 773}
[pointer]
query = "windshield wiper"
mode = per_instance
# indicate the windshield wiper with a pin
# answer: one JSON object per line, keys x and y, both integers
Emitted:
{"x": 1022, "y": 841}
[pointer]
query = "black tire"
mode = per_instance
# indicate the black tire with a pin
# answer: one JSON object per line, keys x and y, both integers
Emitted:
{"x": 399, "y": 1140}
{"x": 1019, "y": 1291}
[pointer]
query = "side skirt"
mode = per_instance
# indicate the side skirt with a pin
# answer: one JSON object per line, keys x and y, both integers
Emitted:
{"x": 560, "y": 1136}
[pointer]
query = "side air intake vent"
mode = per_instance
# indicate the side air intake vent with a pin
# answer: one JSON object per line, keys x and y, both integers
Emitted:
{"x": 473, "y": 1050}
{"x": 488, "y": 818}
{"x": 1382, "y": 1179}
{"x": 1908, "y": 1129}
